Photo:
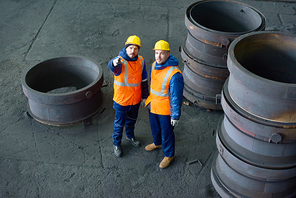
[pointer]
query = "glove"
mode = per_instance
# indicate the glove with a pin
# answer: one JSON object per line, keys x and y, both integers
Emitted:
{"x": 143, "y": 102}
{"x": 174, "y": 122}
{"x": 117, "y": 61}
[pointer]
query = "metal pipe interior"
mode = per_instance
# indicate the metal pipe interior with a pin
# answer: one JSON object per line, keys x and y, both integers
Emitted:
{"x": 226, "y": 16}
{"x": 54, "y": 74}
{"x": 270, "y": 56}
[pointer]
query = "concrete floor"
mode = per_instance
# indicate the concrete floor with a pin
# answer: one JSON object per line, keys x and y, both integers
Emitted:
{"x": 38, "y": 160}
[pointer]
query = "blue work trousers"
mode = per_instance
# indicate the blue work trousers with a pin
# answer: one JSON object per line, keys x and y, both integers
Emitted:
{"x": 125, "y": 119}
{"x": 163, "y": 133}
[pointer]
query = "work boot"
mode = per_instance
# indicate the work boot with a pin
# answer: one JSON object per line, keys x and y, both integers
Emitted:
{"x": 134, "y": 141}
{"x": 117, "y": 150}
{"x": 151, "y": 147}
{"x": 166, "y": 162}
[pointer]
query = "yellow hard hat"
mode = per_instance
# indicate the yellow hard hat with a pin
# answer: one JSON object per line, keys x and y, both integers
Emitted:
{"x": 162, "y": 45}
{"x": 133, "y": 40}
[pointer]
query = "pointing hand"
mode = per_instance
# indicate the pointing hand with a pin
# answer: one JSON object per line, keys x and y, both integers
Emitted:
{"x": 117, "y": 61}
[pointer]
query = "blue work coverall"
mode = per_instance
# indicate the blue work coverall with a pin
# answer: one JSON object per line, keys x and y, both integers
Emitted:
{"x": 162, "y": 130}
{"x": 126, "y": 116}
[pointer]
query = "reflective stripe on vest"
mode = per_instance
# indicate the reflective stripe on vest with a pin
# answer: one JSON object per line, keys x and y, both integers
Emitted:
{"x": 125, "y": 83}
{"x": 164, "y": 82}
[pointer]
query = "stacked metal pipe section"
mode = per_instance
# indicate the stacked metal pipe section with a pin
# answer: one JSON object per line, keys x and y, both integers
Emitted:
{"x": 256, "y": 139}
{"x": 212, "y": 25}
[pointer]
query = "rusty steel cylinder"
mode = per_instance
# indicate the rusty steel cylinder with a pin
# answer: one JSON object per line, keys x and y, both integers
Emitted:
{"x": 63, "y": 90}
{"x": 212, "y": 25}
{"x": 256, "y": 139}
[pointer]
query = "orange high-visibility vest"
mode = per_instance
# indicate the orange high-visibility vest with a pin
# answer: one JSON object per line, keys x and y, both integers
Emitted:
{"x": 159, "y": 88}
{"x": 127, "y": 85}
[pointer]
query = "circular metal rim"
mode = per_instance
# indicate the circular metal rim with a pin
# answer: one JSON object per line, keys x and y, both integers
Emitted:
{"x": 263, "y": 130}
{"x": 257, "y": 172}
{"x": 64, "y": 108}
{"x": 250, "y": 116}
{"x": 52, "y": 96}
{"x": 185, "y": 51}
{"x": 219, "y": 186}
{"x": 201, "y": 100}
{"x": 254, "y": 155}
{"x": 235, "y": 67}
{"x": 229, "y": 35}
{"x": 234, "y": 186}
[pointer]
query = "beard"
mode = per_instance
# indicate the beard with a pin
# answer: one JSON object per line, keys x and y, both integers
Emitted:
{"x": 132, "y": 55}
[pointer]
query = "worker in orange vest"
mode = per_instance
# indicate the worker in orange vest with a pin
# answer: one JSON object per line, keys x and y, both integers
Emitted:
{"x": 164, "y": 102}
{"x": 130, "y": 90}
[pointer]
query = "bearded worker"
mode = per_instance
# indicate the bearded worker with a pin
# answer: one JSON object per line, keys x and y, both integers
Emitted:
{"x": 130, "y": 90}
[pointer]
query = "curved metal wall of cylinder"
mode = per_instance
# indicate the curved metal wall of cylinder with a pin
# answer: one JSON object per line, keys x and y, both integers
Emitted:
{"x": 233, "y": 183}
{"x": 205, "y": 53}
{"x": 220, "y": 22}
{"x": 256, "y": 139}
{"x": 47, "y": 104}
{"x": 202, "y": 89}
{"x": 212, "y": 25}
{"x": 257, "y": 152}
{"x": 254, "y": 126}
{"x": 247, "y": 167}
{"x": 262, "y": 77}
{"x": 234, "y": 176}
{"x": 202, "y": 83}
{"x": 203, "y": 68}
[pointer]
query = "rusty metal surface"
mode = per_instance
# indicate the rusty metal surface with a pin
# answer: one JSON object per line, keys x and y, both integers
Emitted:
{"x": 219, "y": 72}
{"x": 202, "y": 84}
{"x": 222, "y": 21}
{"x": 53, "y": 108}
{"x": 250, "y": 170}
{"x": 211, "y": 27}
{"x": 230, "y": 183}
{"x": 256, "y": 139}
{"x": 262, "y": 75}
{"x": 257, "y": 152}
{"x": 201, "y": 100}
{"x": 234, "y": 176}
{"x": 205, "y": 53}
{"x": 254, "y": 126}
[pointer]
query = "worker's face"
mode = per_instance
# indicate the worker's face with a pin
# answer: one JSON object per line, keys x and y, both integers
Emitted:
{"x": 161, "y": 56}
{"x": 132, "y": 51}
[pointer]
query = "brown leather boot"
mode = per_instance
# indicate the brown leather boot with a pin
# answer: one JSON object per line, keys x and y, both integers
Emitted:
{"x": 166, "y": 162}
{"x": 151, "y": 147}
